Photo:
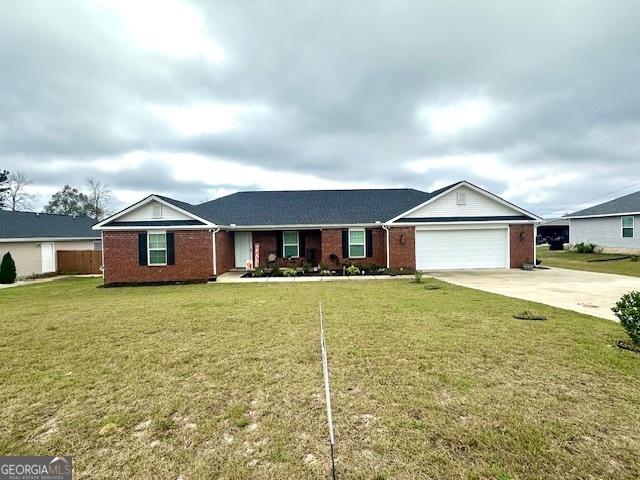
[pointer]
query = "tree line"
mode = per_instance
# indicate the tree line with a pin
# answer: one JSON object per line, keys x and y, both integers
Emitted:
{"x": 93, "y": 200}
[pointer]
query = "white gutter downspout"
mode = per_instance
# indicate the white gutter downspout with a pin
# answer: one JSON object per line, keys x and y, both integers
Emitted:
{"x": 213, "y": 246}
{"x": 386, "y": 229}
{"x": 535, "y": 246}
{"x": 102, "y": 252}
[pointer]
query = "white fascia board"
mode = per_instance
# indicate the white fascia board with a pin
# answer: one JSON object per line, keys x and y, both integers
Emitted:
{"x": 462, "y": 226}
{"x": 144, "y": 201}
{"x": 48, "y": 239}
{"x": 604, "y": 215}
{"x": 463, "y": 223}
{"x": 473, "y": 187}
{"x": 160, "y": 227}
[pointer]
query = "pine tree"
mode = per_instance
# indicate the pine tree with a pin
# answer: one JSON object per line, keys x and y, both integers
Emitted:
{"x": 7, "y": 269}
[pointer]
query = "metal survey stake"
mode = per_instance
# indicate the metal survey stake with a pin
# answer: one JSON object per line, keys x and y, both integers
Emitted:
{"x": 327, "y": 391}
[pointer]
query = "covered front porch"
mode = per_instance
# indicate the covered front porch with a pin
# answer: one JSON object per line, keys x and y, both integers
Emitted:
{"x": 290, "y": 248}
{"x": 328, "y": 247}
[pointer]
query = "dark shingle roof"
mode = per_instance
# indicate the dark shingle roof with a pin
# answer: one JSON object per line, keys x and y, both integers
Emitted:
{"x": 627, "y": 204}
{"x": 44, "y": 225}
{"x": 311, "y": 207}
{"x": 308, "y": 207}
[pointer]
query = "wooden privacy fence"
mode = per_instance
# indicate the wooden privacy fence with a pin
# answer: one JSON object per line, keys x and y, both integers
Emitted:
{"x": 79, "y": 261}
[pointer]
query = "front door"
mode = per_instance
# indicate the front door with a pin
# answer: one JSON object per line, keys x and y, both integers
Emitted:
{"x": 244, "y": 248}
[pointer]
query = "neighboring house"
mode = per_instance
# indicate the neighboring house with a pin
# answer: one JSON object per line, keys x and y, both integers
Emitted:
{"x": 612, "y": 225}
{"x": 34, "y": 238}
{"x": 553, "y": 228}
{"x": 460, "y": 226}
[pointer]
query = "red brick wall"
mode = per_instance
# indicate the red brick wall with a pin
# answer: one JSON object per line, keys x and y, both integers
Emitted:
{"x": 332, "y": 244}
{"x": 521, "y": 246}
{"x": 402, "y": 254}
{"x": 193, "y": 254}
{"x": 225, "y": 252}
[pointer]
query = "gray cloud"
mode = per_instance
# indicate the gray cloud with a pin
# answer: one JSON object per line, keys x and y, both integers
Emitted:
{"x": 342, "y": 85}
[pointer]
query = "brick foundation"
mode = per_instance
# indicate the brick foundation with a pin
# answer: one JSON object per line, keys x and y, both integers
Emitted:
{"x": 521, "y": 244}
{"x": 193, "y": 259}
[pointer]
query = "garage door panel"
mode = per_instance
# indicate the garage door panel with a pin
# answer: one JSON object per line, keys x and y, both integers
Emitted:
{"x": 460, "y": 249}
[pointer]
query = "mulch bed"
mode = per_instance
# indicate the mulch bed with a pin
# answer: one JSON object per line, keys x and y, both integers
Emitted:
{"x": 629, "y": 346}
{"x": 526, "y": 315}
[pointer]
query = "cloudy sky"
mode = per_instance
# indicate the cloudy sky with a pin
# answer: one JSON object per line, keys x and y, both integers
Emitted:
{"x": 539, "y": 103}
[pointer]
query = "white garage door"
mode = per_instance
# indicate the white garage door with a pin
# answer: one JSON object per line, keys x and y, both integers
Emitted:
{"x": 458, "y": 249}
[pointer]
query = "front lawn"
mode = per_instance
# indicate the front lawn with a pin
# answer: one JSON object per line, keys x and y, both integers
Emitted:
{"x": 581, "y": 261}
{"x": 225, "y": 381}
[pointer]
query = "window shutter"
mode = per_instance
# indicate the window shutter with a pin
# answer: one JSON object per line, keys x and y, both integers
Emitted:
{"x": 171, "y": 251}
{"x": 279, "y": 244}
{"x": 345, "y": 243}
{"x": 369, "y": 242}
{"x": 301, "y": 243}
{"x": 142, "y": 248}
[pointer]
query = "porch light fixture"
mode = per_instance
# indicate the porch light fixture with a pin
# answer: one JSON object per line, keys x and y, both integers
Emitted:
{"x": 521, "y": 236}
{"x": 402, "y": 239}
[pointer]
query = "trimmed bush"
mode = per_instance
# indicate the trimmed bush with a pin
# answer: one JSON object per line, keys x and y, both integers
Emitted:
{"x": 584, "y": 247}
{"x": 628, "y": 311}
{"x": 353, "y": 270}
{"x": 7, "y": 269}
{"x": 289, "y": 272}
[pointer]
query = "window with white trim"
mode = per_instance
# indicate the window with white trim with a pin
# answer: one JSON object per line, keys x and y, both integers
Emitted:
{"x": 357, "y": 243}
{"x": 156, "y": 248}
{"x": 627, "y": 227}
{"x": 290, "y": 245}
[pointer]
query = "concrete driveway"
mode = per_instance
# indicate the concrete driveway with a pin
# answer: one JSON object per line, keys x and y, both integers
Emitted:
{"x": 584, "y": 292}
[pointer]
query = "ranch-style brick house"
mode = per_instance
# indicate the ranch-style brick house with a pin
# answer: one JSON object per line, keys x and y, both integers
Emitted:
{"x": 460, "y": 226}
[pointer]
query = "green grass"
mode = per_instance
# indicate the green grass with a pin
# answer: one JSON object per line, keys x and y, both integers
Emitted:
{"x": 580, "y": 261}
{"x": 225, "y": 381}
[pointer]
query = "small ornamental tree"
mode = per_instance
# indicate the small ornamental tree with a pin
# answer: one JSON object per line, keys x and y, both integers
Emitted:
{"x": 7, "y": 269}
{"x": 628, "y": 311}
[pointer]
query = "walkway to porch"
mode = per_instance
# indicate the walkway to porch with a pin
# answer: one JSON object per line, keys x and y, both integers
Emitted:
{"x": 235, "y": 277}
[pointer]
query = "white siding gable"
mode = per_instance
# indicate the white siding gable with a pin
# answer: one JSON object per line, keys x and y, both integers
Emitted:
{"x": 145, "y": 213}
{"x": 476, "y": 205}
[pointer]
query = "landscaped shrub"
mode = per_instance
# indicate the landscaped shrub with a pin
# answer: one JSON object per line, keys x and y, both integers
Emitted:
{"x": 259, "y": 272}
{"x": 274, "y": 266}
{"x": 418, "y": 276}
{"x": 7, "y": 269}
{"x": 325, "y": 272}
{"x": 289, "y": 272}
{"x": 353, "y": 270}
{"x": 634, "y": 258}
{"x": 306, "y": 266}
{"x": 583, "y": 247}
{"x": 628, "y": 311}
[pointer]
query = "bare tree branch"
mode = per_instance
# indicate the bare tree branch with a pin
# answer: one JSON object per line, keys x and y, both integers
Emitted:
{"x": 100, "y": 198}
{"x": 17, "y": 196}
